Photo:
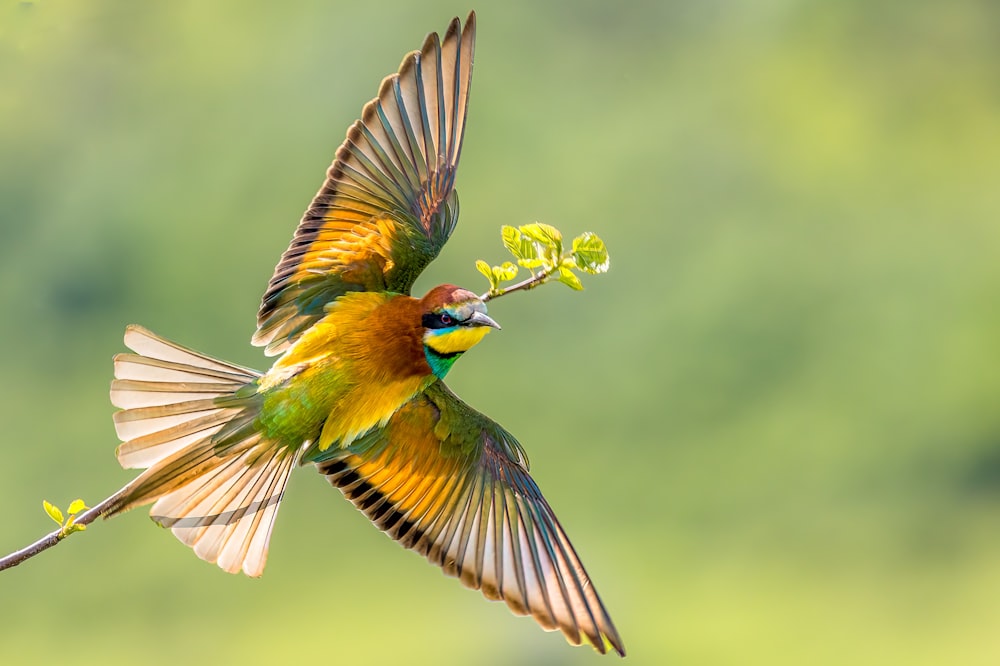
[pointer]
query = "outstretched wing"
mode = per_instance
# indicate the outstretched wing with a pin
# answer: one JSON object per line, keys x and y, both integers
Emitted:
{"x": 449, "y": 483}
{"x": 388, "y": 204}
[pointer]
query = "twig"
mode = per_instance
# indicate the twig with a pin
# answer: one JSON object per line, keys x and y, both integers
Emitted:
{"x": 49, "y": 540}
{"x": 523, "y": 285}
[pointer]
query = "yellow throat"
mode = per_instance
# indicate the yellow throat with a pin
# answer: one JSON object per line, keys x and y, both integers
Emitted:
{"x": 461, "y": 339}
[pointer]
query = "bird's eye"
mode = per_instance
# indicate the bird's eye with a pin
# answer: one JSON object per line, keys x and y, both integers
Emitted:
{"x": 446, "y": 319}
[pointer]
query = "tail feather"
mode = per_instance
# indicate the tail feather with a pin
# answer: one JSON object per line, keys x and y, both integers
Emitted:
{"x": 129, "y": 394}
{"x": 227, "y": 518}
{"x": 214, "y": 480}
{"x": 142, "y": 421}
{"x": 149, "y": 345}
{"x": 227, "y": 513}
{"x": 149, "y": 447}
{"x": 133, "y": 366}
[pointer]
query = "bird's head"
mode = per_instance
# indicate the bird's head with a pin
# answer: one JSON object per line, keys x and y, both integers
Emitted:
{"x": 454, "y": 321}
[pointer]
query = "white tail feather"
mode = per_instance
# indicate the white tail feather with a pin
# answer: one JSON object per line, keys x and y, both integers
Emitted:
{"x": 227, "y": 515}
{"x": 221, "y": 501}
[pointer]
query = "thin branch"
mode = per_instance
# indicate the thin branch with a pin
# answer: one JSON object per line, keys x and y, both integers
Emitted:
{"x": 523, "y": 285}
{"x": 49, "y": 540}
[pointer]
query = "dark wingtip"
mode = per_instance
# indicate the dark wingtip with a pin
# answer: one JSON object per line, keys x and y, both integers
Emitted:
{"x": 454, "y": 27}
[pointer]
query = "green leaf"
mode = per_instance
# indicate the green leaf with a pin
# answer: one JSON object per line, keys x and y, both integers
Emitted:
{"x": 547, "y": 242}
{"x": 511, "y": 240}
{"x": 76, "y": 506}
{"x": 569, "y": 278}
{"x": 53, "y": 511}
{"x": 505, "y": 272}
{"x": 485, "y": 269}
{"x": 71, "y": 527}
{"x": 531, "y": 263}
{"x": 527, "y": 250}
{"x": 548, "y": 236}
{"x": 590, "y": 253}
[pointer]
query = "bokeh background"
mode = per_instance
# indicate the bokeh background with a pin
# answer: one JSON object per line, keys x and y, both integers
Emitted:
{"x": 772, "y": 430}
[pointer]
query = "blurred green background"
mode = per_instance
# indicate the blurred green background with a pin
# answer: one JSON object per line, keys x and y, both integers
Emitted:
{"x": 772, "y": 430}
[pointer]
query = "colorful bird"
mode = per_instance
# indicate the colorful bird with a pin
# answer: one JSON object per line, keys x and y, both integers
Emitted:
{"x": 358, "y": 389}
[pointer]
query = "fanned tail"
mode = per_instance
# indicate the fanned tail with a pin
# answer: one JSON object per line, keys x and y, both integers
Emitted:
{"x": 215, "y": 480}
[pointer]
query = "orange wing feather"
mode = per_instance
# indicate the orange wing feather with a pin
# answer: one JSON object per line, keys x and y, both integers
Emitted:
{"x": 449, "y": 483}
{"x": 388, "y": 204}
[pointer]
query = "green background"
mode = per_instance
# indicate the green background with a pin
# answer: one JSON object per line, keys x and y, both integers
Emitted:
{"x": 772, "y": 430}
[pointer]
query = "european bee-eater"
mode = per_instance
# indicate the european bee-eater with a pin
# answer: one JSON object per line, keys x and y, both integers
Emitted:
{"x": 358, "y": 388}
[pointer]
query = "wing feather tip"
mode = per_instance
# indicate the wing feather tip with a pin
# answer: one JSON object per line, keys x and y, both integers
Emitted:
{"x": 340, "y": 175}
{"x": 454, "y": 28}
{"x": 406, "y": 65}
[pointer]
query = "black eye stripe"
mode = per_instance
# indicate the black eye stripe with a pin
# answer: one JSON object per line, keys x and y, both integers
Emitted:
{"x": 434, "y": 320}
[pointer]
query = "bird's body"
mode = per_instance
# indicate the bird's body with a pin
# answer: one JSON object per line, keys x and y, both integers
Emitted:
{"x": 340, "y": 379}
{"x": 357, "y": 389}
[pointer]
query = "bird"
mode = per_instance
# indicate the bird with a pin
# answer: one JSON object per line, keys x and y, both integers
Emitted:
{"x": 358, "y": 387}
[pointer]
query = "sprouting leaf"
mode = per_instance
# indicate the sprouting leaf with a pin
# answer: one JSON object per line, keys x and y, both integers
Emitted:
{"x": 511, "y": 240}
{"x": 504, "y": 272}
{"x": 539, "y": 248}
{"x": 547, "y": 242}
{"x": 53, "y": 511}
{"x": 71, "y": 527}
{"x": 527, "y": 254}
{"x": 569, "y": 278}
{"x": 76, "y": 506}
{"x": 548, "y": 236}
{"x": 531, "y": 263}
{"x": 485, "y": 269}
{"x": 530, "y": 258}
{"x": 590, "y": 253}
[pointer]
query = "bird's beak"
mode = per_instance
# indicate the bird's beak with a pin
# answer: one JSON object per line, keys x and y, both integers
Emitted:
{"x": 480, "y": 319}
